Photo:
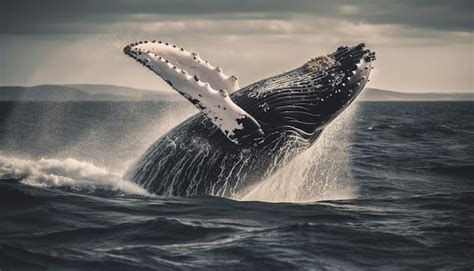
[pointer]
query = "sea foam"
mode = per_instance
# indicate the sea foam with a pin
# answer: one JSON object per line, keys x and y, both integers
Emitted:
{"x": 69, "y": 173}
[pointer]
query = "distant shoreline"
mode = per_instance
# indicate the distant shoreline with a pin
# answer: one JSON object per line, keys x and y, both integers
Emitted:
{"x": 91, "y": 92}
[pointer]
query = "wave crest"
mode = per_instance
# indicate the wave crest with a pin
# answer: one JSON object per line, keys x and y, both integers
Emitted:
{"x": 68, "y": 173}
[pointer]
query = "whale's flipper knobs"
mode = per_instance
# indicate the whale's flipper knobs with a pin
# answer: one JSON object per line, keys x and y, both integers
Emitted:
{"x": 198, "y": 81}
{"x": 191, "y": 62}
{"x": 223, "y": 93}
{"x": 370, "y": 57}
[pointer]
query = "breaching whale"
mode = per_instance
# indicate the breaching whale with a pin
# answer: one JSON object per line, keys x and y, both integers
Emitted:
{"x": 241, "y": 135}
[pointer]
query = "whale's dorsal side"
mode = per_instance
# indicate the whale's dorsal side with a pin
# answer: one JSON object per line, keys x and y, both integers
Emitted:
{"x": 202, "y": 84}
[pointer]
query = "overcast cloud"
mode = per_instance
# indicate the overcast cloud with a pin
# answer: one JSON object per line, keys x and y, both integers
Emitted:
{"x": 422, "y": 45}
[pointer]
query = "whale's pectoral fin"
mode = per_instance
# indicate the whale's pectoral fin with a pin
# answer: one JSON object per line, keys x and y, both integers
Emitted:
{"x": 202, "y": 85}
{"x": 187, "y": 61}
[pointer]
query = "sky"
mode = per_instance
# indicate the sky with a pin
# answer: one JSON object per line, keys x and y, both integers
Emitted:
{"x": 421, "y": 45}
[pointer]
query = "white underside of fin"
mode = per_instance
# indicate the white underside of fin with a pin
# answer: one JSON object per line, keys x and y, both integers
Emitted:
{"x": 191, "y": 63}
{"x": 199, "y": 82}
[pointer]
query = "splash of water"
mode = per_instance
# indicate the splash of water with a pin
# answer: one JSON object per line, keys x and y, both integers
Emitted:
{"x": 322, "y": 172}
{"x": 68, "y": 173}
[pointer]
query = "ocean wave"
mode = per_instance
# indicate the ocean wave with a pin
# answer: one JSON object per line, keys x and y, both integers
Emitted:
{"x": 467, "y": 170}
{"x": 12, "y": 197}
{"x": 156, "y": 231}
{"x": 381, "y": 127}
{"x": 69, "y": 174}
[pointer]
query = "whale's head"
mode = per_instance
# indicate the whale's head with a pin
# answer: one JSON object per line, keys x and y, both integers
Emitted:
{"x": 301, "y": 102}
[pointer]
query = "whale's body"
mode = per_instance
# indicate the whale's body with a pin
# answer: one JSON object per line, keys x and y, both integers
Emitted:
{"x": 292, "y": 109}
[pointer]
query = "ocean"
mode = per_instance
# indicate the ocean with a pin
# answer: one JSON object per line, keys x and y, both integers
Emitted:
{"x": 388, "y": 186}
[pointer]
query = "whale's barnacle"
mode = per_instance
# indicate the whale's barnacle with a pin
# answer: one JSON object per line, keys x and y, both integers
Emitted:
{"x": 320, "y": 63}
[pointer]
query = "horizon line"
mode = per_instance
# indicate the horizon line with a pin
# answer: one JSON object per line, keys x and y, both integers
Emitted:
{"x": 471, "y": 91}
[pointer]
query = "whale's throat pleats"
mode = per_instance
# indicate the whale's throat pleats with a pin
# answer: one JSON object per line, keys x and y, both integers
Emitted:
{"x": 291, "y": 103}
{"x": 301, "y": 102}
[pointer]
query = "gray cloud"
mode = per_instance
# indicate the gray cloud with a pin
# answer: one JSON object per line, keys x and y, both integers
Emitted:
{"x": 85, "y": 16}
{"x": 77, "y": 41}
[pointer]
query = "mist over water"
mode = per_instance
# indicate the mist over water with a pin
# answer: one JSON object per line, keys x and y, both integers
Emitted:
{"x": 323, "y": 172}
{"x": 68, "y": 146}
{"x": 107, "y": 135}
{"x": 96, "y": 155}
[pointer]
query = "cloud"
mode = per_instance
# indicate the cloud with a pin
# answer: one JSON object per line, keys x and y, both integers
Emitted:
{"x": 85, "y": 16}
{"x": 303, "y": 28}
{"x": 349, "y": 9}
{"x": 81, "y": 41}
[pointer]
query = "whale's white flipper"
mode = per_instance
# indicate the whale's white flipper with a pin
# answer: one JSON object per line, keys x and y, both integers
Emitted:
{"x": 202, "y": 84}
{"x": 190, "y": 62}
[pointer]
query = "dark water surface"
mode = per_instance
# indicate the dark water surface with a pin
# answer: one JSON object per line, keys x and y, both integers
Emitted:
{"x": 412, "y": 165}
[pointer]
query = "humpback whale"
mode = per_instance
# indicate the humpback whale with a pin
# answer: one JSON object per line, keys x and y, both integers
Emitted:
{"x": 241, "y": 135}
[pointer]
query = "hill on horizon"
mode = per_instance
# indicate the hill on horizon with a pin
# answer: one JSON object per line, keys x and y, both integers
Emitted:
{"x": 374, "y": 94}
{"x": 82, "y": 92}
{"x": 103, "y": 92}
